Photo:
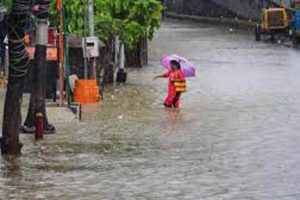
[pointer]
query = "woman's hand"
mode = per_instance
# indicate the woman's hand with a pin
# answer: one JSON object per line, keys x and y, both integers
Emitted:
{"x": 157, "y": 77}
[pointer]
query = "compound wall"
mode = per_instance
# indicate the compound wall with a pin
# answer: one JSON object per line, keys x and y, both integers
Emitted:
{"x": 246, "y": 9}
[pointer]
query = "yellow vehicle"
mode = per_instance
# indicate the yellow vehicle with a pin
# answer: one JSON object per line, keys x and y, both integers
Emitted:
{"x": 274, "y": 21}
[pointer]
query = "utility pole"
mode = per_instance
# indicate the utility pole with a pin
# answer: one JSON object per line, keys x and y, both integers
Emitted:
{"x": 120, "y": 54}
{"x": 91, "y": 18}
{"x": 117, "y": 50}
{"x": 122, "y": 57}
{"x": 89, "y": 8}
{"x": 84, "y": 43}
{"x": 92, "y": 33}
{"x": 18, "y": 65}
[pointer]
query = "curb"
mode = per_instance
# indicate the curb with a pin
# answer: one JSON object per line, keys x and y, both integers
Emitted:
{"x": 235, "y": 22}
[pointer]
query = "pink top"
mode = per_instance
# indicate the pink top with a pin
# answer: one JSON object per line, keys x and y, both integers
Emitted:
{"x": 174, "y": 75}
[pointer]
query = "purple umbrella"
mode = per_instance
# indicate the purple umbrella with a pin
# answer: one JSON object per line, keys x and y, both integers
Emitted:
{"x": 187, "y": 67}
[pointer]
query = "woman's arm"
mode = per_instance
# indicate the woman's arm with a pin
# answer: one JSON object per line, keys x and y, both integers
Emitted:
{"x": 159, "y": 76}
{"x": 165, "y": 75}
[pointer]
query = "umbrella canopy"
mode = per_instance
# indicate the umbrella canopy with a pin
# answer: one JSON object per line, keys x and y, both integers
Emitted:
{"x": 187, "y": 67}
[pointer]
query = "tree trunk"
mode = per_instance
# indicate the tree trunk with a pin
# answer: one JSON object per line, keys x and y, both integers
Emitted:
{"x": 108, "y": 65}
{"x": 38, "y": 90}
{"x": 145, "y": 50}
{"x": 138, "y": 56}
{"x": 18, "y": 61}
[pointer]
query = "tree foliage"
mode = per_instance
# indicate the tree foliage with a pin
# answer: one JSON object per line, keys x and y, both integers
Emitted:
{"x": 128, "y": 19}
{"x": 5, "y": 3}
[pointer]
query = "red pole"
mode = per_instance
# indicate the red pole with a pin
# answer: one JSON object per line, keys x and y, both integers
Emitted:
{"x": 39, "y": 126}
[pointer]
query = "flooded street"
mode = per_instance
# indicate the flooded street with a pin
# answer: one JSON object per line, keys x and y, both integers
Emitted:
{"x": 236, "y": 136}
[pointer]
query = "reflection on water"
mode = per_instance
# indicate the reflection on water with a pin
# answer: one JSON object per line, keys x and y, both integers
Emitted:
{"x": 11, "y": 167}
{"x": 235, "y": 137}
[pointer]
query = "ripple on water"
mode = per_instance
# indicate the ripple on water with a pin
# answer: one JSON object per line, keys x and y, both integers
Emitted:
{"x": 235, "y": 137}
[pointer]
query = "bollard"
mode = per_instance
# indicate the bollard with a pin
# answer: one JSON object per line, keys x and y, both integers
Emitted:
{"x": 39, "y": 126}
{"x": 79, "y": 112}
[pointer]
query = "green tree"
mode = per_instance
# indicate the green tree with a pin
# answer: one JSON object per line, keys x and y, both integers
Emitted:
{"x": 129, "y": 19}
{"x": 5, "y": 3}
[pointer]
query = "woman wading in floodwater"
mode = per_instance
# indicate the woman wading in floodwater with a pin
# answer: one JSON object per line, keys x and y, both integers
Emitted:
{"x": 177, "y": 84}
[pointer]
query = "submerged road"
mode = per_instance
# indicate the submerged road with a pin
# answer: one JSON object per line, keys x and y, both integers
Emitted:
{"x": 236, "y": 136}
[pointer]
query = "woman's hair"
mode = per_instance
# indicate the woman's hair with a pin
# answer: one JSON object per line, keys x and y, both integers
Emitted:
{"x": 175, "y": 63}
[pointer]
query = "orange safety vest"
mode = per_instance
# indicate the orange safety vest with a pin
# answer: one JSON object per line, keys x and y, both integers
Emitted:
{"x": 180, "y": 86}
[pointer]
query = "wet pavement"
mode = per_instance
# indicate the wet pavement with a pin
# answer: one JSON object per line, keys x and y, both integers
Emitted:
{"x": 236, "y": 136}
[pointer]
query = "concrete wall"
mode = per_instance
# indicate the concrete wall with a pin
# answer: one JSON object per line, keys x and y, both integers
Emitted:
{"x": 198, "y": 7}
{"x": 246, "y": 9}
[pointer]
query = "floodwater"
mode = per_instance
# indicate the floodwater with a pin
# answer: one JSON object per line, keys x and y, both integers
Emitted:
{"x": 236, "y": 136}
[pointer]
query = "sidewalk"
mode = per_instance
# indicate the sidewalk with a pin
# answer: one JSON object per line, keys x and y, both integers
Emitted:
{"x": 55, "y": 114}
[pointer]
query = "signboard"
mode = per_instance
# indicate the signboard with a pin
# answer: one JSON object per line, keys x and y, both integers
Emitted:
{"x": 51, "y": 53}
{"x": 92, "y": 47}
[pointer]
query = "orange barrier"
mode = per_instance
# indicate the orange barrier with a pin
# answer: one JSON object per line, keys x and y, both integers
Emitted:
{"x": 86, "y": 91}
